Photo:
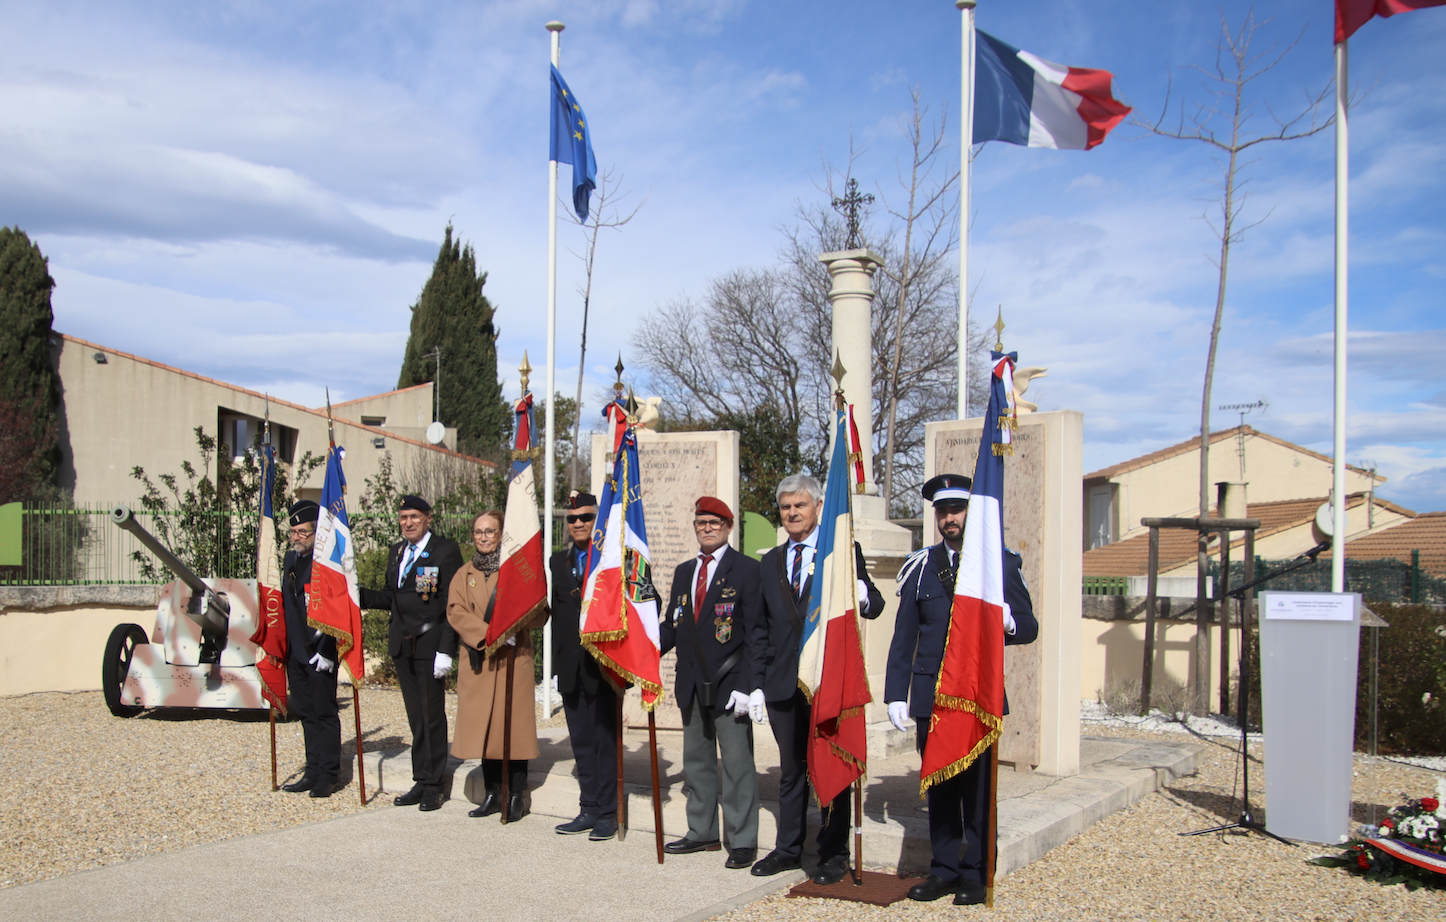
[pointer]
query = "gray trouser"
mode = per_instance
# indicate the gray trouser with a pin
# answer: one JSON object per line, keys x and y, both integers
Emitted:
{"x": 708, "y": 739}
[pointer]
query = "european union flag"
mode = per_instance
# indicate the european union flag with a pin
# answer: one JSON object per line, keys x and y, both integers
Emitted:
{"x": 572, "y": 143}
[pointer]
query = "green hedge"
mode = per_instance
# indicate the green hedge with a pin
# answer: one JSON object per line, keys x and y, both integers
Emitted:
{"x": 1412, "y": 681}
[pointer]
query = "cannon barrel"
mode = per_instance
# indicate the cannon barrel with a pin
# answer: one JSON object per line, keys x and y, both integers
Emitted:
{"x": 206, "y": 608}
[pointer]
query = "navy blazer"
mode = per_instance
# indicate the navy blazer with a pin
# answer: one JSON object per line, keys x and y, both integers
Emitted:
{"x": 776, "y": 670}
{"x": 574, "y": 666}
{"x": 731, "y": 610}
{"x": 419, "y": 627}
{"x": 926, "y": 601}
{"x": 301, "y": 642}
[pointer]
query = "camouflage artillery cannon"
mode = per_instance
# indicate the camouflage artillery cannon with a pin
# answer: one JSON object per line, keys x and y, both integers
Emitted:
{"x": 199, "y": 655}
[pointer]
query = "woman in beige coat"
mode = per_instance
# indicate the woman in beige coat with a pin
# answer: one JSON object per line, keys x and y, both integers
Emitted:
{"x": 482, "y": 679}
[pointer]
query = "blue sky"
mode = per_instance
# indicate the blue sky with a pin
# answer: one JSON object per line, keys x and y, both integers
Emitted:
{"x": 256, "y": 190}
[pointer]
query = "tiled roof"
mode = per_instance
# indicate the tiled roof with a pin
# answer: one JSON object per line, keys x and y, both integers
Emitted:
{"x": 1192, "y": 444}
{"x": 374, "y": 430}
{"x": 1425, "y": 533}
{"x": 382, "y": 394}
{"x": 1131, "y": 557}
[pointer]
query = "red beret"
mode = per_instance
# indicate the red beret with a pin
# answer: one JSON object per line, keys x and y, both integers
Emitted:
{"x": 712, "y": 505}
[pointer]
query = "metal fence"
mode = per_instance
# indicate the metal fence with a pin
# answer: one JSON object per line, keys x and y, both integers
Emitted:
{"x": 80, "y": 546}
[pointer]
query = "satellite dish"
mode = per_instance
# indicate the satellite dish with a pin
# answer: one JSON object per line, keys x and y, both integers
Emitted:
{"x": 436, "y": 433}
{"x": 1325, "y": 520}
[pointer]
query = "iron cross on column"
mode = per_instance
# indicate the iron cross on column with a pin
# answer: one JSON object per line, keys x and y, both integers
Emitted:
{"x": 848, "y": 206}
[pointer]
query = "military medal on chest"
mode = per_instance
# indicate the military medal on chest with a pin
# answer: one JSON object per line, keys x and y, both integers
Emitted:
{"x": 723, "y": 621}
{"x": 427, "y": 578}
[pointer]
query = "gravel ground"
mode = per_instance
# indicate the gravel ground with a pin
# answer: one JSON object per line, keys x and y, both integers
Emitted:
{"x": 88, "y": 789}
{"x": 1135, "y": 865}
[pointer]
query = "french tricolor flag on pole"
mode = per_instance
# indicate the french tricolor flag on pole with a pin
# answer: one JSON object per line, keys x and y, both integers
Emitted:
{"x": 1023, "y": 99}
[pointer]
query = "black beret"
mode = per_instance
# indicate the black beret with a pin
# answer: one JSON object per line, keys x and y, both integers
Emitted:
{"x": 947, "y": 488}
{"x": 417, "y": 503}
{"x": 579, "y": 500}
{"x": 302, "y": 512}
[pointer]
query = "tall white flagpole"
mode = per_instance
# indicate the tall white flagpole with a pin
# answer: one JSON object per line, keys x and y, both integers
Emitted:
{"x": 1338, "y": 492}
{"x": 966, "y": 140}
{"x": 550, "y": 464}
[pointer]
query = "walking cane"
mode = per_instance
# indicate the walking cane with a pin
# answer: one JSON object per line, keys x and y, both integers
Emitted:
{"x": 507, "y": 734}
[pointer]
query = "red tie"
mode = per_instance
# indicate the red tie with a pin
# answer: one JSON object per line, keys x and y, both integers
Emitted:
{"x": 701, "y": 589}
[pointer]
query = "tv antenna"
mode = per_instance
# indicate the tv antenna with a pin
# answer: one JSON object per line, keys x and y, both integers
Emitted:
{"x": 1242, "y": 409}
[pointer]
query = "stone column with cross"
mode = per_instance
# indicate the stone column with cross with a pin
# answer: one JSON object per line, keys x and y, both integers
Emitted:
{"x": 885, "y": 545}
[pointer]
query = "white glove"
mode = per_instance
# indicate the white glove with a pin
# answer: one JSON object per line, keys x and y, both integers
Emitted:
{"x": 757, "y": 706}
{"x": 512, "y": 641}
{"x": 1009, "y": 625}
{"x": 898, "y": 713}
{"x": 863, "y": 597}
{"x": 441, "y": 665}
{"x": 738, "y": 704}
{"x": 321, "y": 663}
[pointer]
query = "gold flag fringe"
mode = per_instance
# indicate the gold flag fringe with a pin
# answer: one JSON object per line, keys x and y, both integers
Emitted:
{"x": 1008, "y": 422}
{"x": 1003, "y": 448}
{"x": 516, "y": 628}
{"x": 614, "y": 668}
{"x": 344, "y": 642}
{"x": 955, "y": 768}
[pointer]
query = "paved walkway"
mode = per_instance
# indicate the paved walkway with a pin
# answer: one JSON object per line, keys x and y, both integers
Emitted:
{"x": 399, "y": 863}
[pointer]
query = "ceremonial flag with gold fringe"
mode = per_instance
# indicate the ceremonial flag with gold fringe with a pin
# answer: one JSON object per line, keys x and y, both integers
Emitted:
{"x": 521, "y": 579}
{"x": 619, "y": 620}
{"x": 1352, "y": 14}
{"x": 831, "y": 668}
{"x": 270, "y": 633}
{"x": 969, "y": 698}
{"x": 335, "y": 601}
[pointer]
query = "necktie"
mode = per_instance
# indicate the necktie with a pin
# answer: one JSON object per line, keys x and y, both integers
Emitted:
{"x": 953, "y": 570}
{"x": 406, "y": 564}
{"x": 797, "y": 569}
{"x": 701, "y": 589}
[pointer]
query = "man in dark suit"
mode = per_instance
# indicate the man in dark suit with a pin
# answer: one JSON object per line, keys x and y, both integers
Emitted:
{"x": 422, "y": 644}
{"x": 959, "y": 807}
{"x": 786, "y": 575}
{"x": 310, "y": 662}
{"x": 588, "y": 701}
{"x": 714, "y": 610}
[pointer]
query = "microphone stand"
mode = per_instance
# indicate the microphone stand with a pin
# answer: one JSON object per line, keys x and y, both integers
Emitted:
{"x": 1247, "y": 820}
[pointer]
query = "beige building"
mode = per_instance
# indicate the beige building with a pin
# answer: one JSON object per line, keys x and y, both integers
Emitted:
{"x": 1166, "y": 483}
{"x": 122, "y": 411}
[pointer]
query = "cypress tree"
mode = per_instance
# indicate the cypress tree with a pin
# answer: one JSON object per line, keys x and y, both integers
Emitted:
{"x": 29, "y": 386}
{"x": 453, "y": 313}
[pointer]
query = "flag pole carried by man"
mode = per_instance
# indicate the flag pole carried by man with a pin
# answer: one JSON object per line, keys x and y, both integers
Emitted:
{"x": 335, "y": 603}
{"x": 618, "y": 623}
{"x": 270, "y": 633}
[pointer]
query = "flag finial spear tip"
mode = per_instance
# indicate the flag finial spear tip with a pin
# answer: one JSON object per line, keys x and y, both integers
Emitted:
{"x": 525, "y": 369}
{"x": 618, "y": 384}
{"x": 838, "y": 371}
{"x": 999, "y": 330}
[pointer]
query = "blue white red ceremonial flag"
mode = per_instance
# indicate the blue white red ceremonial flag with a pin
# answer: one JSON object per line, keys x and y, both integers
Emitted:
{"x": 831, "y": 667}
{"x": 1023, "y": 99}
{"x": 619, "y": 620}
{"x": 335, "y": 602}
{"x": 270, "y": 633}
{"x": 969, "y": 698}
{"x": 521, "y": 578}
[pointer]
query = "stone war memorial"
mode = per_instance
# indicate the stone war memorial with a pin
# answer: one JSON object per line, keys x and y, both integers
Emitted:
{"x": 677, "y": 468}
{"x": 1042, "y": 522}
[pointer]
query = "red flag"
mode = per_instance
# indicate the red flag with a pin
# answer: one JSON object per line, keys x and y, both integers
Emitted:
{"x": 521, "y": 579}
{"x": 270, "y": 633}
{"x": 1352, "y": 14}
{"x": 969, "y": 699}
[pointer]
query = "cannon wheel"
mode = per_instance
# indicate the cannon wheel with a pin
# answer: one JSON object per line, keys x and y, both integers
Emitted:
{"x": 119, "y": 649}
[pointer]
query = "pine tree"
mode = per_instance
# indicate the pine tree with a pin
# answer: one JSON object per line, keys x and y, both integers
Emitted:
{"x": 452, "y": 313}
{"x": 29, "y": 387}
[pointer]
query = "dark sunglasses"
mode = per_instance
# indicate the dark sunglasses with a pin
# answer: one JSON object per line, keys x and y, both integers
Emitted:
{"x": 584, "y": 517}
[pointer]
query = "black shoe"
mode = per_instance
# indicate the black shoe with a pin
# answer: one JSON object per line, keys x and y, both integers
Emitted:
{"x": 604, "y": 829}
{"x": 580, "y": 823}
{"x": 516, "y": 806}
{"x": 831, "y": 870}
{"x": 687, "y": 846}
{"x": 304, "y": 783}
{"x": 932, "y": 889}
{"x": 970, "y": 893}
{"x": 740, "y": 858}
{"x": 325, "y": 788}
{"x": 491, "y": 803}
{"x": 411, "y": 798}
{"x": 431, "y": 800}
{"x": 775, "y": 863}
